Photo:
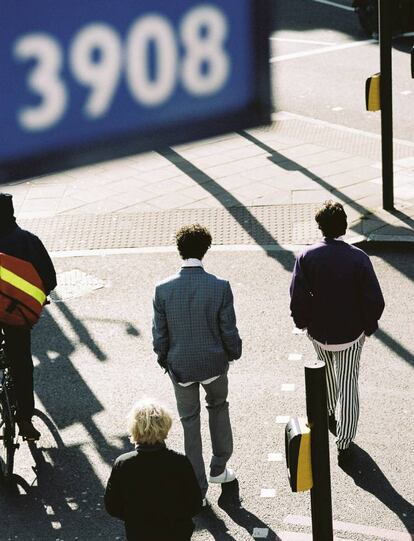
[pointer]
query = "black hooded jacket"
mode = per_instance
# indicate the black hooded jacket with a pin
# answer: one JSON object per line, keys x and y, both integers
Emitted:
{"x": 17, "y": 242}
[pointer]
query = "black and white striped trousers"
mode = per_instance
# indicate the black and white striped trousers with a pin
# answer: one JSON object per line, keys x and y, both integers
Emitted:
{"x": 342, "y": 369}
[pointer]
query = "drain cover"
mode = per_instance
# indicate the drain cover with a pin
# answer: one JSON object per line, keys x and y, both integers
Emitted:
{"x": 75, "y": 283}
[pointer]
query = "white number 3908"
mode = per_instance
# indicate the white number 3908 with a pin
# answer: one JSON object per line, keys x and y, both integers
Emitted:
{"x": 97, "y": 59}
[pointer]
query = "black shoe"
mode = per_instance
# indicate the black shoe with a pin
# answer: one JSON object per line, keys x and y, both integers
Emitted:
{"x": 332, "y": 424}
{"x": 344, "y": 456}
{"x": 27, "y": 431}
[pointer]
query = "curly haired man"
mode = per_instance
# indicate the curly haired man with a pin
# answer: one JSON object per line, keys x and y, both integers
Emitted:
{"x": 195, "y": 337}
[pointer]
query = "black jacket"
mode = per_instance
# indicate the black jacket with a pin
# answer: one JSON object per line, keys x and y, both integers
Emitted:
{"x": 19, "y": 243}
{"x": 155, "y": 492}
{"x": 335, "y": 293}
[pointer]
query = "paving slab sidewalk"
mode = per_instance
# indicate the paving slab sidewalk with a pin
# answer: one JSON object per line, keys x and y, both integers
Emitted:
{"x": 295, "y": 161}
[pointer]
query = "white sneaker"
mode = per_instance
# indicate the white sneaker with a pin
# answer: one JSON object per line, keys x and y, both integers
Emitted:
{"x": 226, "y": 477}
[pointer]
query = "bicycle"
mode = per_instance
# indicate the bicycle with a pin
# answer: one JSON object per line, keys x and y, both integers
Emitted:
{"x": 8, "y": 438}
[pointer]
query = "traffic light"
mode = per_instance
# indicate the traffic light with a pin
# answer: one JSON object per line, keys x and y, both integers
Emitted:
{"x": 372, "y": 93}
{"x": 298, "y": 454}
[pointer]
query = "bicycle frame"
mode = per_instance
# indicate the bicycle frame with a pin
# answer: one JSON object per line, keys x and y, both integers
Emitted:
{"x": 8, "y": 445}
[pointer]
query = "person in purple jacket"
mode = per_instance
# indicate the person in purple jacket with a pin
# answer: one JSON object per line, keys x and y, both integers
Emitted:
{"x": 336, "y": 297}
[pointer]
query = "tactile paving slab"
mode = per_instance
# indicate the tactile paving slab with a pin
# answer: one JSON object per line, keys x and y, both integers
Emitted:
{"x": 262, "y": 225}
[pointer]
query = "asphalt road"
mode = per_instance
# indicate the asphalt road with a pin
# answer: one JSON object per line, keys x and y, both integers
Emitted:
{"x": 321, "y": 60}
{"x": 93, "y": 359}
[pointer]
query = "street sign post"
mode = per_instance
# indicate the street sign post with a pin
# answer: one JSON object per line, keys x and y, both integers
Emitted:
{"x": 87, "y": 81}
{"x": 321, "y": 498}
{"x": 385, "y": 37}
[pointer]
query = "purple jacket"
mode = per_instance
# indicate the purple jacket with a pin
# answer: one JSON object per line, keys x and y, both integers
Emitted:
{"x": 335, "y": 293}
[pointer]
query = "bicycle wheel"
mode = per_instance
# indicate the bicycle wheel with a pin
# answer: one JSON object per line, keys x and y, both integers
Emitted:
{"x": 7, "y": 434}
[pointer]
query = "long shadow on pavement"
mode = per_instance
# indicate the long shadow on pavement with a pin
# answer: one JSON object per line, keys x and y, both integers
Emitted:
{"x": 395, "y": 346}
{"x": 262, "y": 236}
{"x": 80, "y": 330}
{"x": 56, "y": 377}
{"x": 367, "y": 474}
{"x": 290, "y": 165}
{"x": 401, "y": 257}
{"x": 231, "y": 503}
{"x": 247, "y": 221}
{"x": 53, "y": 349}
{"x": 63, "y": 496}
{"x": 208, "y": 520}
{"x": 377, "y": 249}
{"x": 64, "y": 499}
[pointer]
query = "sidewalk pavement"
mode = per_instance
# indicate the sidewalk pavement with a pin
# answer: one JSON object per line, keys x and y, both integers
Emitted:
{"x": 261, "y": 186}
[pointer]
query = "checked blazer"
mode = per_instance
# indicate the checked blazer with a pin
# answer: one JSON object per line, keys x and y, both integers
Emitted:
{"x": 194, "y": 325}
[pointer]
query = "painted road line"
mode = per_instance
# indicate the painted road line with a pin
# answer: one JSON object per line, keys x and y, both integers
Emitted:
{"x": 292, "y": 536}
{"x": 310, "y": 41}
{"x": 267, "y": 493}
{"x": 283, "y": 115}
{"x": 260, "y": 533}
{"x": 282, "y": 419}
{"x": 173, "y": 249}
{"x": 349, "y": 527}
{"x": 323, "y": 50}
{"x": 295, "y": 357}
{"x": 334, "y": 4}
{"x": 275, "y": 457}
{"x": 289, "y": 387}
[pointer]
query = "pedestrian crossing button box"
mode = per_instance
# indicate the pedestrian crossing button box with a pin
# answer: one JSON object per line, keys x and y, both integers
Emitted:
{"x": 298, "y": 454}
{"x": 373, "y": 93}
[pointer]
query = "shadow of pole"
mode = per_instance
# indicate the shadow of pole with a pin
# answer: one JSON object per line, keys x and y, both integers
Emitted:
{"x": 208, "y": 520}
{"x": 247, "y": 221}
{"x": 63, "y": 501}
{"x": 81, "y": 331}
{"x": 282, "y": 161}
{"x": 289, "y": 165}
{"x": 367, "y": 474}
{"x": 53, "y": 349}
{"x": 231, "y": 503}
{"x": 395, "y": 346}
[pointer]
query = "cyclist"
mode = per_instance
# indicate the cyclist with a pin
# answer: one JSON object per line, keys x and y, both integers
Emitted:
{"x": 22, "y": 244}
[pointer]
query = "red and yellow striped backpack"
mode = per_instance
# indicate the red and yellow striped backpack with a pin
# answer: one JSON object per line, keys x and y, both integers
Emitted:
{"x": 22, "y": 295}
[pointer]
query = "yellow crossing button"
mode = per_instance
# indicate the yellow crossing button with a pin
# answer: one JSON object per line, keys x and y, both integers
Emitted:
{"x": 372, "y": 93}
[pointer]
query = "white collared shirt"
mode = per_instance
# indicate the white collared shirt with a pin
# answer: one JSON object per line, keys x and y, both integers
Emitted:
{"x": 192, "y": 262}
{"x": 340, "y": 347}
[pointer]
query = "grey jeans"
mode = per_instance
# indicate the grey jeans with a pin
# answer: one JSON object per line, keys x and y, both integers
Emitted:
{"x": 188, "y": 406}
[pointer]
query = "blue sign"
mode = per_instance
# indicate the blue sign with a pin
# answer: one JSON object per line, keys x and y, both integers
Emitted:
{"x": 83, "y": 81}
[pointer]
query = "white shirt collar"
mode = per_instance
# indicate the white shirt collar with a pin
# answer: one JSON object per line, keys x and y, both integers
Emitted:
{"x": 192, "y": 262}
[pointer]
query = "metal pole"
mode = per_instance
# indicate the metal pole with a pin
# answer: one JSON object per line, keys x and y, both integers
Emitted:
{"x": 321, "y": 500}
{"x": 385, "y": 37}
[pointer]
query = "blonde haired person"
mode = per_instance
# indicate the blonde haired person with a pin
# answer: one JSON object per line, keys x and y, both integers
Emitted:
{"x": 153, "y": 489}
